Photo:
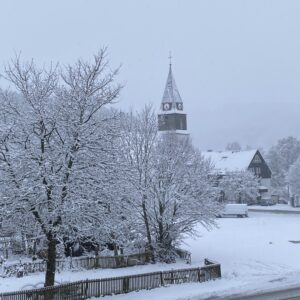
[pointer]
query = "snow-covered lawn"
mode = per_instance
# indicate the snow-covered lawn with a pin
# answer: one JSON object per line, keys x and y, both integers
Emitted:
{"x": 254, "y": 246}
{"x": 254, "y": 253}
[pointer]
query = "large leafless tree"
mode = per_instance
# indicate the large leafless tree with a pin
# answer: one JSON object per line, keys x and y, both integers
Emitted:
{"x": 171, "y": 187}
{"x": 57, "y": 147}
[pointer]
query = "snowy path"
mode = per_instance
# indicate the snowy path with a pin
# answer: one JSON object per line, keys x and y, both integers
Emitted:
{"x": 289, "y": 293}
{"x": 255, "y": 254}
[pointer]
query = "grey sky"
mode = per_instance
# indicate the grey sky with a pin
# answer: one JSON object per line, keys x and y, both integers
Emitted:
{"x": 236, "y": 63}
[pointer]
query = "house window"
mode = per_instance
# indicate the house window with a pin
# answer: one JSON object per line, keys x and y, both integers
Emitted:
{"x": 257, "y": 171}
{"x": 256, "y": 159}
{"x": 252, "y": 170}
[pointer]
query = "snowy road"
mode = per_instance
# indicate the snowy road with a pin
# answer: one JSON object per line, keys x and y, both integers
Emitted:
{"x": 290, "y": 293}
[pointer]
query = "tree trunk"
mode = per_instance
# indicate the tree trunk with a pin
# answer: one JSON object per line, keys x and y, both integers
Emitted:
{"x": 51, "y": 261}
{"x": 148, "y": 233}
{"x": 240, "y": 198}
{"x": 116, "y": 254}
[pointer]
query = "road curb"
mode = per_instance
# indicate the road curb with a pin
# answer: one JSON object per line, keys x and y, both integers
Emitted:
{"x": 287, "y": 212}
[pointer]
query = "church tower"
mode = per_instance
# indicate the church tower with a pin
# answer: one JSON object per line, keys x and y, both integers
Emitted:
{"x": 172, "y": 116}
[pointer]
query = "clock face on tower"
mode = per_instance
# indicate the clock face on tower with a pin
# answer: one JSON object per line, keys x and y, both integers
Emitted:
{"x": 166, "y": 106}
{"x": 179, "y": 106}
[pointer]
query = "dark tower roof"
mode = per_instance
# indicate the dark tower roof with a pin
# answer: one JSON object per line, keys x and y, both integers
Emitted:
{"x": 171, "y": 93}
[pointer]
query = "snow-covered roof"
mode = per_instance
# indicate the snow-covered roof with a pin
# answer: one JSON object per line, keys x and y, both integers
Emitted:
{"x": 171, "y": 93}
{"x": 230, "y": 161}
{"x": 178, "y": 131}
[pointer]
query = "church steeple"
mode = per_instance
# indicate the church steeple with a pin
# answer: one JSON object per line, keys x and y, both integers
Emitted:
{"x": 171, "y": 99}
{"x": 172, "y": 117}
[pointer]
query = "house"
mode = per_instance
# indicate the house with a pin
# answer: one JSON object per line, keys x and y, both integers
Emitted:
{"x": 233, "y": 162}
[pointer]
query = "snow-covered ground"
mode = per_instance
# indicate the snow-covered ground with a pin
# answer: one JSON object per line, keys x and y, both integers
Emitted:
{"x": 36, "y": 280}
{"x": 255, "y": 253}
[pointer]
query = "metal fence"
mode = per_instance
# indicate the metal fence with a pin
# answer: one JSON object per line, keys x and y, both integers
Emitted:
{"x": 118, "y": 285}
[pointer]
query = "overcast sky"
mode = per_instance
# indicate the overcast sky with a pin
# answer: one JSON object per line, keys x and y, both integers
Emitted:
{"x": 236, "y": 63}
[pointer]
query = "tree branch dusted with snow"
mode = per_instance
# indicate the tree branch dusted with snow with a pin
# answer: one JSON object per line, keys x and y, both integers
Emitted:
{"x": 169, "y": 181}
{"x": 57, "y": 146}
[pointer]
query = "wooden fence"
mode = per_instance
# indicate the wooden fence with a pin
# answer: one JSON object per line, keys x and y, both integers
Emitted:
{"x": 118, "y": 285}
{"x": 86, "y": 263}
{"x": 185, "y": 255}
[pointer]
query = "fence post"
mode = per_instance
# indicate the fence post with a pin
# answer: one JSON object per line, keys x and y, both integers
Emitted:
{"x": 6, "y": 250}
{"x": 199, "y": 274}
{"x": 172, "y": 278}
{"x": 125, "y": 284}
{"x": 96, "y": 262}
{"x": 71, "y": 262}
{"x": 189, "y": 259}
{"x": 85, "y": 292}
{"x": 162, "y": 279}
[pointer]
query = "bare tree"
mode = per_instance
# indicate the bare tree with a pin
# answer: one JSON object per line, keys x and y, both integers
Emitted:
{"x": 169, "y": 184}
{"x": 280, "y": 158}
{"x": 137, "y": 143}
{"x": 294, "y": 177}
{"x": 57, "y": 146}
{"x": 182, "y": 193}
{"x": 240, "y": 187}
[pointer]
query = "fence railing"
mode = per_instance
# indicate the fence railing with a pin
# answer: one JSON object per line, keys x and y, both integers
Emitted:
{"x": 86, "y": 263}
{"x": 186, "y": 255}
{"x": 118, "y": 285}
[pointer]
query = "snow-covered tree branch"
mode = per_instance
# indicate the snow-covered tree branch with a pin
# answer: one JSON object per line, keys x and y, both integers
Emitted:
{"x": 57, "y": 147}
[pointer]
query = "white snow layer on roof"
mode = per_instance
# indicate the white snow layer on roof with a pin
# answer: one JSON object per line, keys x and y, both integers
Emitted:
{"x": 230, "y": 161}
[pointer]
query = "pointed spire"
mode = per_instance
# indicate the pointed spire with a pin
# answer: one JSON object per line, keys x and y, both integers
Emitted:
{"x": 171, "y": 93}
{"x": 170, "y": 58}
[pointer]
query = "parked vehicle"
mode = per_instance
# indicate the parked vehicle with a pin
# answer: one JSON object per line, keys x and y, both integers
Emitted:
{"x": 235, "y": 210}
{"x": 266, "y": 202}
{"x": 283, "y": 201}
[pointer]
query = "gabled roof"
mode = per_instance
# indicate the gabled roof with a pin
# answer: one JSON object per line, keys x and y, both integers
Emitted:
{"x": 230, "y": 161}
{"x": 171, "y": 93}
